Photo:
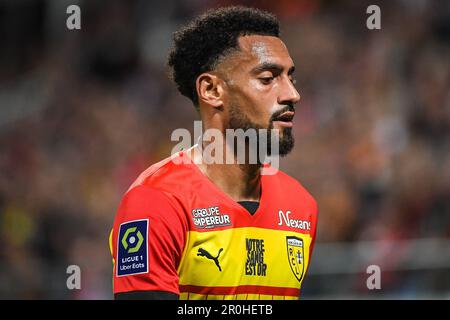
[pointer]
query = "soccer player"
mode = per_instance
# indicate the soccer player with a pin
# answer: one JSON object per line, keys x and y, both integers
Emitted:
{"x": 188, "y": 229}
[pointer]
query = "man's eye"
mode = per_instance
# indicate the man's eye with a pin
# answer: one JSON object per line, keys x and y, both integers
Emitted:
{"x": 266, "y": 80}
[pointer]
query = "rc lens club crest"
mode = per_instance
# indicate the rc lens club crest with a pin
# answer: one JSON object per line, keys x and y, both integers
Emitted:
{"x": 296, "y": 256}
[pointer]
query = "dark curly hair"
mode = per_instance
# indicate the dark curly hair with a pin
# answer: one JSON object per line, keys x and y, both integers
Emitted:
{"x": 198, "y": 46}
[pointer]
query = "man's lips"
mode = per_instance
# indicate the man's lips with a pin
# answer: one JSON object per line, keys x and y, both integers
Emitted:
{"x": 285, "y": 119}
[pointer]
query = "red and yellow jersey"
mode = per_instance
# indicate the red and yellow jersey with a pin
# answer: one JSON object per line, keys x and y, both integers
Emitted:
{"x": 176, "y": 231}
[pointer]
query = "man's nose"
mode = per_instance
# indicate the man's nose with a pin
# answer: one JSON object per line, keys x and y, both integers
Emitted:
{"x": 288, "y": 93}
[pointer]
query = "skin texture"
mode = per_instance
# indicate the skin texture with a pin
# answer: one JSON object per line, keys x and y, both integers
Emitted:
{"x": 249, "y": 88}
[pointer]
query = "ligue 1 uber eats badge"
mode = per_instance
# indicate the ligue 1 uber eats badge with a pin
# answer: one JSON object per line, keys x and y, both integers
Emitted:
{"x": 132, "y": 248}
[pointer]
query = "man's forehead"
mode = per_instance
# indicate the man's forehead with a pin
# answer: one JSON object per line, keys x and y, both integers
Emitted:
{"x": 262, "y": 49}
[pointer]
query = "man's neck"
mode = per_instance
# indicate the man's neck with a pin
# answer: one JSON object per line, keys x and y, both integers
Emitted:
{"x": 242, "y": 182}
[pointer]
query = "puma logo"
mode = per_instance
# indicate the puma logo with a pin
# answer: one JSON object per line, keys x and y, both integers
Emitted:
{"x": 203, "y": 253}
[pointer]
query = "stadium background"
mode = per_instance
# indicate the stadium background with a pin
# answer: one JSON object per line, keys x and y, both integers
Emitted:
{"x": 83, "y": 112}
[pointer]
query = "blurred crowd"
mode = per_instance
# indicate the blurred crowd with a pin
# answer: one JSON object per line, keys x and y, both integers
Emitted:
{"x": 83, "y": 112}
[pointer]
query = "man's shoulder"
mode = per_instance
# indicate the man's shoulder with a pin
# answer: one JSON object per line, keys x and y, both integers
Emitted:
{"x": 293, "y": 187}
{"x": 164, "y": 175}
{"x": 157, "y": 190}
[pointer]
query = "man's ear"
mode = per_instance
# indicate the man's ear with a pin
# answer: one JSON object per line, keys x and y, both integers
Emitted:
{"x": 210, "y": 89}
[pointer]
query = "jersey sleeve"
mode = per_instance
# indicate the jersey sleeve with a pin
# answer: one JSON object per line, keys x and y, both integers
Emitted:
{"x": 314, "y": 220}
{"x": 147, "y": 242}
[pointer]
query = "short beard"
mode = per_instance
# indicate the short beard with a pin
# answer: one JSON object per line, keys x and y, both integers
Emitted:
{"x": 238, "y": 120}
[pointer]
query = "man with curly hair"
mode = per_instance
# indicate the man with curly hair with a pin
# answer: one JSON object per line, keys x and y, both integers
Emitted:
{"x": 189, "y": 229}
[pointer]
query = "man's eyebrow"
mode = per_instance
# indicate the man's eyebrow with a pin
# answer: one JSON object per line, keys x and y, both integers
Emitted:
{"x": 291, "y": 70}
{"x": 269, "y": 66}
